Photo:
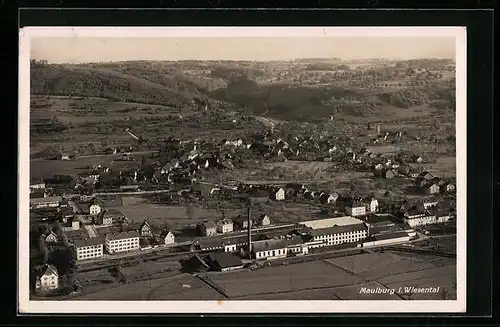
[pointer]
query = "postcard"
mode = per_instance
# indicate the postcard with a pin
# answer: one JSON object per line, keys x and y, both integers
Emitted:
{"x": 242, "y": 170}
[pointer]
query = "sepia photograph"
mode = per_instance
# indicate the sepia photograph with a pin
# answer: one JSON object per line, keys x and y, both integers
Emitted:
{"x": 242, "y": 169}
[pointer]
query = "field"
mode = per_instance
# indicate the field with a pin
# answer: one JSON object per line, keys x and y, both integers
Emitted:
{"x": 343, "y": 278}
{"x": 284, "y": 279}
{"x": 40, "y": 168}
{"x": 340, "y": 278}
{"x": 182, "y": 287}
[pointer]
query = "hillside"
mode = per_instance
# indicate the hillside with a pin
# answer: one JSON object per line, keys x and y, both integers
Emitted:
{"x": 110, "y": 84}
{"x": 278, "y": 90}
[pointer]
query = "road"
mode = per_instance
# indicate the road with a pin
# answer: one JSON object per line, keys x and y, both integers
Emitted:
{"x": 266, "y": 122}
{"x": 105, "y": 155}
{"x": 109, "y": 257}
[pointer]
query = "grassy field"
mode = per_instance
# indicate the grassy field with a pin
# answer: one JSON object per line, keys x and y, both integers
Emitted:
{"x": 47, "y": 168}
{"x": 284, "y": 279}
{"x": 182, "y": 287}
{"x": 332, "y": 279}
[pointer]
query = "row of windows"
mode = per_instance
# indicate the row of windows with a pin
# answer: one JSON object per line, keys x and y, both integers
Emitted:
{"x": 90, "y": 252}
{"x": 270, "y": 253}
{"x": 342, "y": 235}
{"x": 127, "y": 240}
{"x": 90, "y": 247}
{"x": 88, "y": 256}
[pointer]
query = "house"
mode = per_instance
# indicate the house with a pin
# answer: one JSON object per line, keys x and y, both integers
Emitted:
{"x": 225, "y": 226}
{"x": 51, "y": 238}
{"x": 167, "y": 237}
{"x": 91, "y": 248}
{"x": 208, "y": 228}
{"x": 426, "y": 175}
{"x": 258, "y": 196}
{"x": 446, "y": 186}
{"x": 146, "y": 230}
{"x": 47, "y": 279}
{"x": 122, "y": 242}
{"x": 430, "y": 202}
{"x": 373, "y": 206}
{"x": 328, "y": 198}
{"x": 224, "y": 261}
{"x": 431, "y": 188}
{"x": 389, "y": 174}
{"x": 269, "y": 249}
{"x": 450, "y": 187}
{"x": 207, "y": 244}
{"x": 355, "y": 208}
{"x": 94, "y": 209}
{"x": 241, "y": 222}
{"x": 37, "y": 186}
{"x": 263, "y": 220}
{"x": 278, "y": 194}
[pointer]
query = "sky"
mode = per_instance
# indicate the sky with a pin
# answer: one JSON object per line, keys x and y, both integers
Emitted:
{"x": 97, "y": 49}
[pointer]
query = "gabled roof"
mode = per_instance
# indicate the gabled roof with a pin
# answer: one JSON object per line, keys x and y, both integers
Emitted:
{"x": 47, "y": 270}
{"x": 269, "y": 245}
{"x": 209, "y": 224}
{"x": 225, "y": 260}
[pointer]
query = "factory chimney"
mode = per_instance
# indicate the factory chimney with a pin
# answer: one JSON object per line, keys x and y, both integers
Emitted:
{"x": 249, "y": 230}
{"x": 378, "y": 129}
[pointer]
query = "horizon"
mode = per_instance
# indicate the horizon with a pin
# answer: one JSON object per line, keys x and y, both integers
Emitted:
{"x": 85, "y": 50}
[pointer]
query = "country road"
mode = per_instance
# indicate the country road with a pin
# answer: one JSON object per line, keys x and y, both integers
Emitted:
{"x": 266, "y": 122}
{"x": 104, "y": 155}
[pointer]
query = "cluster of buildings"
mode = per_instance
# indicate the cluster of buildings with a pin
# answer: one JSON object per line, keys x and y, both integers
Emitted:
{"x": 431, "y": 184}
{"x": 92, "y": 230}
{"x": 299, "y": 239}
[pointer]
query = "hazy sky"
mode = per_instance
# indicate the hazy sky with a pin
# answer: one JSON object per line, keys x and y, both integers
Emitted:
{"x": 87, "y": 49}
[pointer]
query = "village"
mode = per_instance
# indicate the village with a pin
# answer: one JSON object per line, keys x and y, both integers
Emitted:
{"x": 227, "y": 224}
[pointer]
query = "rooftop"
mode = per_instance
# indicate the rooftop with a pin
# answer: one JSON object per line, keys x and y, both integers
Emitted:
{"x": 122, "y": 235}
{"x": 225, "y": 260}
{"x": 268, "y": 245}
{"x": 330, "y": 222}
{"x": 46, "y": 199}
{"x": 388, "y": 236}
{"x": 88, "y": 242}
{"x": 338, "y": 229}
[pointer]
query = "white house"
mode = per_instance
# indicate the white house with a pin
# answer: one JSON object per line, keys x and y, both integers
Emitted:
{"x": 264, "y": 220}
{"x": 279, "y": 194}
{"x": 51, "y": 238}
{"x": 167, "y": 237}
{"x": 95, "y": 209}
{"x": 356, "y": 208}
{"x": 47, "y": 279}
{"x": 373, "y": 205}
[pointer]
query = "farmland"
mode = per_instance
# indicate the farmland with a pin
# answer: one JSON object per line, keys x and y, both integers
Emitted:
{"x": 181, "y": 287}
{"x": 340, "y": 278}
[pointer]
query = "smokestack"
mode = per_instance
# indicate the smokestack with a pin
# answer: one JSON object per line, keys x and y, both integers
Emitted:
{"x": 249, "y": 230}
{"x": 378, "y": 129}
